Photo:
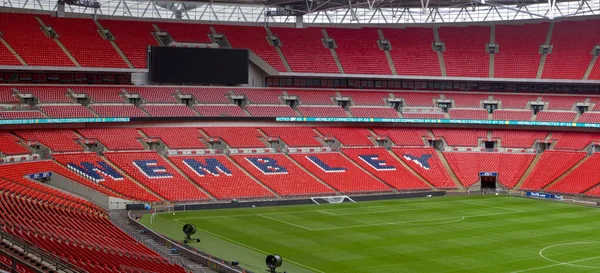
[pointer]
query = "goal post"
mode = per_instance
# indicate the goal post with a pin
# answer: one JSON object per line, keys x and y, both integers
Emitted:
{"x": 331, "y": 199}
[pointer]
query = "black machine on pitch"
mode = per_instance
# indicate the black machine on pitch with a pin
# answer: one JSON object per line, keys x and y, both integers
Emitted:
{"x": 189, "y": 230}
{"x": 273, "y": 261}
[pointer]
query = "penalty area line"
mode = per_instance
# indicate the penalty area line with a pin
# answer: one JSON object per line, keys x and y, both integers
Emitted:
{"x": 284, "y": 222}
{"x": 253, "y": 248}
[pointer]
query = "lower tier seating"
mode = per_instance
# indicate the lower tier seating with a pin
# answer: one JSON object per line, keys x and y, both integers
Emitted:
{"x": 384, "y": 166}
{"x": 509, "y": 166}
{"x": 155, "y": 173}
{"x": 98, "y": 174}
{"x": 580, "y": 180}
{"x": 341, "y": 174}
{"x": 427, "y": 164}
{"x": 220, "y": 177}
{"x": 282, "y": 175}
{"x": 551, "y": 165}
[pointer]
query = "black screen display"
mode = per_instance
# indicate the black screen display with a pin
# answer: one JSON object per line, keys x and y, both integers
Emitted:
{"x": 180, "y": 65}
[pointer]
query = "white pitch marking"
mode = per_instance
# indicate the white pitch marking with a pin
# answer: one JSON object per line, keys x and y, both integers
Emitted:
{"x": 255, "y": 249}
{"x": 284, "y": 222}
{"x": 557, "y": 263}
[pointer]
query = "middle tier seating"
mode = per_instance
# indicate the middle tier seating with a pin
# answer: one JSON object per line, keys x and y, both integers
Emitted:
{"x": 559, "y": 116}
{"x": 323, "y": 111}
{"x": 58, "y": 140}
{"x": 271, "y": 111}
{"x": 468, "y": 114}
{"x": 151, "y": 170}
{"x": 123, "y": 110}
{"x": 158, "y": 110}
{"x": 403, "y": 137}
{"x": 114, "y": 138}
{"x": 67, "y": 111}
{"x": 231, "y": 110}
{"x": 518, "y": 139}
{"x": 373, "y": 112}
{"x": 9, "y": 145}
{"x": 294, "y": 136}
{"x": 177, "y": 137}
{"x": 238, "y": 137}
{"x": 348, "y": 136}
{"x": 461, "y": 137}
{"x": 512, "y": 114}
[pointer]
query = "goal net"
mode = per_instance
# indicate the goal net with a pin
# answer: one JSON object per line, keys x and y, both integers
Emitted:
{"x": 331, "y": 199}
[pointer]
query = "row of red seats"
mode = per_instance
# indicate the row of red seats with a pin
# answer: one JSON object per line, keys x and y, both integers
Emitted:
{"x": 509, "y": 166}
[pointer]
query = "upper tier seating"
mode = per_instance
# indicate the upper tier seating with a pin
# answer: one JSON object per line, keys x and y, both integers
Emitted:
{"x": 100, "y": 94}
{"x": 341, "y": 174}
{"x": 323, "y": 111}
{"x": 220, "y": 177}
{"x": 187, "y": 33}
{"x": 573, "y": 141}
{"x": 6, "y": 95}
{"x": 271, "y": 111}
{"x": 347, "y": 136}
{"x": 237, "y": 137}
{"x": 551, "y": 165}
{"x": 294, "y": 136}
{"x": 177, "y": 137}
{"x": 468, "y": 114}
{"x": 358, "y": 51}
{"x": 595, "y": 75}
{"x": 514, "y": 101}
{"x": 381, "y": 164}
{"x": 518, "y": 139}
{"x": 220, "y": 110}
{"x": 98, "y": 174}
{"x": 114, "y": 138}
{"x": 7, "y": 58}
{"x": 157, "y": 94}
{"x": 367, "y": 98}
{"x": 411, "y": 51}
{"x": 590, "y": 117}
{"x": 154, "y": 172}
{"x": 563, "y": 116}
{"x": 426, "y": 162}
{"x": 424, "y": 115}
{"x": 500, "y": 114}
{"x": 67, "y": 111}
{"x": 280, "y": 174}
{"x": 461, "y": 137}
{"x": 260, "y": 96}
{"x": 562, "y": 102}
{"x": 58, "y": 140}
{"x": 314, "y": 97}
{"x": 9, "y": 145}
{"x": 207, "y": 95}
{"x": 466, "y": 59}
{"x": 572, "y": 42}
{"x": 295, "y": 44}
{"x": 402, "y": 136}
{"x": 123, "y": 110}
{"x": 47, "y": 94}
{"x": 583, "y": 178}
{"x": 21, "y": 114}
{"x": 169, "y": 111}
{"x": 510, "y": 167}
{"x": 462, "y": 100}
{"x": 519, "y": 45}
{"x": 133, "y": 38}
{"x": 254, "y": 39}
{"x": 95, "y": 52}
{"x": 373, "y": 112}
{"x": 30, "y": 42}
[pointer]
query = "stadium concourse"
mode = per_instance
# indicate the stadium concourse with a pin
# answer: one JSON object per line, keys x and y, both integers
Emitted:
{"x": 60, "y": 100}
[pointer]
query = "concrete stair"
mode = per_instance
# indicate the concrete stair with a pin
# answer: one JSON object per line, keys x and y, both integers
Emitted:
{"x": 534, "y": 162}
{"x": 333, "y": 53}
{"x": 440, "y": 55}
{"x": 543, "y": 59}
{"x": 449, "y": 170}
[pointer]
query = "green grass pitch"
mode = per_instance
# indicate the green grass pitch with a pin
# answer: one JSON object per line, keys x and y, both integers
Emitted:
{"x": 439, "y": 234}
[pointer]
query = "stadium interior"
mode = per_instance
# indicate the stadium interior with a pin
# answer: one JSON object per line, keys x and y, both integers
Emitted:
{"x": 327, "y": 110}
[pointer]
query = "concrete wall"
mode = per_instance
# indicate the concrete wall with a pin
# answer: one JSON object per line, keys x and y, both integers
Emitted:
{"x": 100, "y": 199}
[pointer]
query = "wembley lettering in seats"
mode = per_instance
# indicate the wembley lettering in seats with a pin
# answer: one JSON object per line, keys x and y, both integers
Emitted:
{"x": 422, "y": 161}
{"x": 267, "y": 165}
{"x": 323, "y": 166}
{"x": 211, "y": 166}
{"x": 376, "y": 163}
{"x": 95, "y": 172}
{"x": 151, "y": 170}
